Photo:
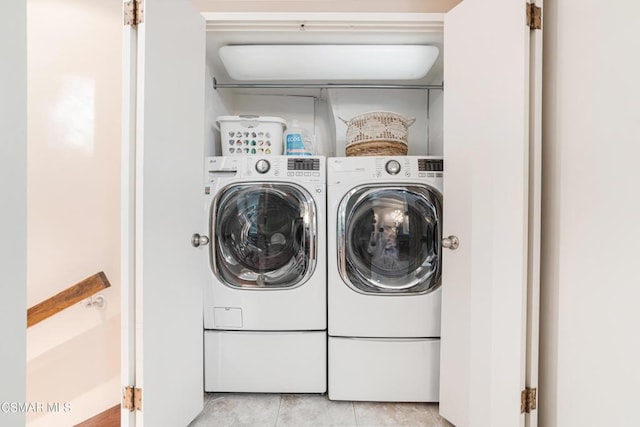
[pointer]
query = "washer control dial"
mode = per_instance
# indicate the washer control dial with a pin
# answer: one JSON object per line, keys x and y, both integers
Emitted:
{"x": 392, "y": 167}
{"x": 263, "y": 166}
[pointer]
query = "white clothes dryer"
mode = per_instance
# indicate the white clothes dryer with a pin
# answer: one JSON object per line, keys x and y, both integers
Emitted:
{"x": 265, "y": 305}
{"x": 384, "y": 277}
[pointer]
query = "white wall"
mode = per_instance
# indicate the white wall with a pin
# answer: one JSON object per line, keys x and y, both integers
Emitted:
{"x": 383, "y": 6}
{"x": 74, "y": 104}
{"x": 590, "y": 297}
{"x": 13, "y": 256}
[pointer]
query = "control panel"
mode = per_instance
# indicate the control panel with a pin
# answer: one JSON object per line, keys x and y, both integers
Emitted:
{"x": 408, "y": 167}
{"x": 297, "y": 164}
{"x": 302, "y": 167}
{"x": 430, "y": 168}
{"x": 308, "y": 169}
{"x": 430, "y": 165}
{"x": 399, "y": 167}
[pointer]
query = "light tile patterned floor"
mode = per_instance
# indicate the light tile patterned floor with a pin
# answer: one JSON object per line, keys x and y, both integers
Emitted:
{"x": 297, "y": 410}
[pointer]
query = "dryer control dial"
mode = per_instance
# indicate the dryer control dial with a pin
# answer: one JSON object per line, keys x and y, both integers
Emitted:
{"x": 392, "y": 167}
{"x": 263, "y": 166}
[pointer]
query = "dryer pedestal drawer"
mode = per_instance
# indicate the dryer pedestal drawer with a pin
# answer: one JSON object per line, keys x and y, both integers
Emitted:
{"x": 384, "y": 370}
{"x": 265, "y": 362}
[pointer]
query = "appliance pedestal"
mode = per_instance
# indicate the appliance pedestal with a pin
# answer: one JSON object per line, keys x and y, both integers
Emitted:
{"x": 265, "y": 362}
{"x": 384, "y": 369}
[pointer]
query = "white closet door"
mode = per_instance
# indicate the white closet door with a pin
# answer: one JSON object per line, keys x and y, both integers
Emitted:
{"x": 486, "y": 205}
{"x": 163, "y": 174}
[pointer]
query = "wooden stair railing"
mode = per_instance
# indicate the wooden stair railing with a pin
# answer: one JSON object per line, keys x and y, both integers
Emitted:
{"x": 70, "y": 296}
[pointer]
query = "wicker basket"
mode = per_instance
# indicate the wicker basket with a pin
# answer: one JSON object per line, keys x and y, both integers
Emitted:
{"x": 378, "y": 133}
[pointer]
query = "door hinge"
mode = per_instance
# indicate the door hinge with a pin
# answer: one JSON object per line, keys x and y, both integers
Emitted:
{"x": 534, "y": 16}
{"x": 132, "y": 398}
{"x": 528, "y": 400}
{"x": 134, "y": 12}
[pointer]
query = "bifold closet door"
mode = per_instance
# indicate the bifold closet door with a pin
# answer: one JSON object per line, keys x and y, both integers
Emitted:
{"x": 162, "y": 207}
{"x": 487, "y": 130}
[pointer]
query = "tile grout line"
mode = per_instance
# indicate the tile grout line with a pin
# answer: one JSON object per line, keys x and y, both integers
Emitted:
{"x": 353, "y": 406}
{"x": 278, "y": 412}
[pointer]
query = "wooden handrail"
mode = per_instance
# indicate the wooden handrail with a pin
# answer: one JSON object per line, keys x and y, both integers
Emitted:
{"x": 67, "y": 298}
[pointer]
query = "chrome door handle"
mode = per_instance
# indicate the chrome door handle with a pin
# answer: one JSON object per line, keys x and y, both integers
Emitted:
{"x": 450, "y": 242}
{"x": 198, "y": 240}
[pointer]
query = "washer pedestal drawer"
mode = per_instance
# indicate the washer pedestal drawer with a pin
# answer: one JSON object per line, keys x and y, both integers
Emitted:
{"x": 384, "y": 370}
{"x": 265, "y": 362}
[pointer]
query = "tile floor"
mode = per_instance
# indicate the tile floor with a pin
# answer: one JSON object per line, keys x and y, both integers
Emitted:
{"x": 297, "y": 410}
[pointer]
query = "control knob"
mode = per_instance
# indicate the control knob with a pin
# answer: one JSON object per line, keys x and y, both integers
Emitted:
{"x": 263, "y": 166}
{"x": 392, "y": 167}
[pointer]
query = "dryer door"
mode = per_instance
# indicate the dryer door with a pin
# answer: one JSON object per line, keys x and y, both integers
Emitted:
{"x": 390, "y": 239}
{"x": 265, "y": 236}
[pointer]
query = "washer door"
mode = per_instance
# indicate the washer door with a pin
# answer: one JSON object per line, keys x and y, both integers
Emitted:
{"x": 390, "y": 239}
{"x": 264, "y": 236}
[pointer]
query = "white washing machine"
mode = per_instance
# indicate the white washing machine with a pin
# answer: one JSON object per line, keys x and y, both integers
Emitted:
{"x": 384, "y": 275}
{"x": 265, "y": 305}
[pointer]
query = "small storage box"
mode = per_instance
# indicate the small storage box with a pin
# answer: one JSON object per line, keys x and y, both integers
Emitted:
{"x": 251, "y": 135}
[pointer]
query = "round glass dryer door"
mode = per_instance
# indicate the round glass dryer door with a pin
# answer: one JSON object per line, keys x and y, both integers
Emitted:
{"x": 264, "y": 236}
{"x": 390, "y": 239}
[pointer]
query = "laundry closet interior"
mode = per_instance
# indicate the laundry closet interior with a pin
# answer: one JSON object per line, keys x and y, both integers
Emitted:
{"x": 448, "y": 141}
{"x": 321, "y": 106}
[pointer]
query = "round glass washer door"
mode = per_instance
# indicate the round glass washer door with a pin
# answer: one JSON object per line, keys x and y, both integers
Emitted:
{"x": 264, "y": 236}
{"x": 390, "y": 239}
